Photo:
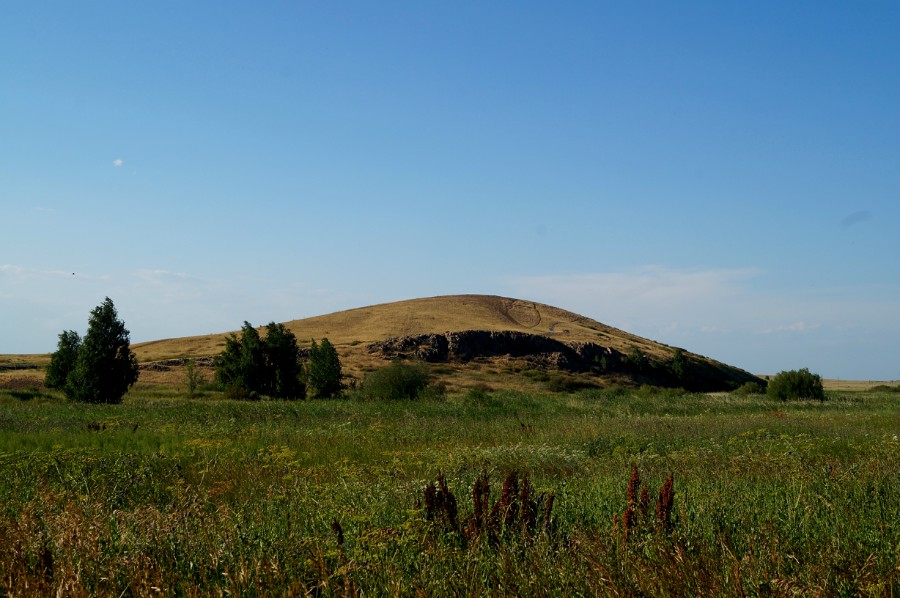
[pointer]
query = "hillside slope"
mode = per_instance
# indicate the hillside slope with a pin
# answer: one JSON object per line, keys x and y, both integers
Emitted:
{"x": 451, "y": 313}
{"x": 501, "y": 328}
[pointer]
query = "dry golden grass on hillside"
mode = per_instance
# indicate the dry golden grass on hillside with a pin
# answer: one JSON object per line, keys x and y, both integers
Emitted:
{"x": 355, "y": 328}
{"x": 352, "y": 330}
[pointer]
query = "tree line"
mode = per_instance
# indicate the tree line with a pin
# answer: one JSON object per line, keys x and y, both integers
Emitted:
{"x": 101, "y": 367}
{"x": 252, "y": 366}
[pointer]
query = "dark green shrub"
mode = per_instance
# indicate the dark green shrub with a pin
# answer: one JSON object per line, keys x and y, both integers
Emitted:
{"x": 396, "y": 381}
{"x": 62, "y": 362}
{"x": 567, "y": 383}
{"x": 637, "y": 361}
{"x": 323, "y": 371}
{"x": 796, "y": 384}
{"x": 679, "y": 367}
{"x": 749, "y": 388}
{"x": 252, "y": 366}
{"x": 886, "y": 388}
{"x": 649, "y": 390}
{"x": 285, "y": 372}
{"x": 241, "y": 368}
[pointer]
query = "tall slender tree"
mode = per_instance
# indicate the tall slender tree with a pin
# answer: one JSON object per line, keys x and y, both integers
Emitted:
{"x": 105, "y": 367}
{"x": 283, "y": 362}
{"x": 323, "y": 372}
{"x": 62, "y": 362}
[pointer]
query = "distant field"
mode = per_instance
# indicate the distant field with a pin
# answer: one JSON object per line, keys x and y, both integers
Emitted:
{"x": 165, "y": 495}
{"x": 857, "y": 384}
{"x": 27, "y": 371}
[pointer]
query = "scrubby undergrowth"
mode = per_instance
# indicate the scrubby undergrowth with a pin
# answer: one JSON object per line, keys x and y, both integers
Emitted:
{"x": 165, "y": 495}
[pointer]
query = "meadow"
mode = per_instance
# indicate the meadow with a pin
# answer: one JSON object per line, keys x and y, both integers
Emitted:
{"x": 165, "y": 495}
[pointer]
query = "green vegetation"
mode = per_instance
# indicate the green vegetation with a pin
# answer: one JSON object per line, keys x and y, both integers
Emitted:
{"x": 886, "y": 388}
{"x": 192, "y": 377}
{"x": 101, "y": 367}
{"x": 680, "y": 368}
{"x": 796, "y": 384}
{"x": 63, "y": 360}
{"x": 285, "y": 372}
{"x": 252, "y": 366}
{"x": 650, "y": 493}
{"x": 749, "y": 388}
{"x": 396, "y": 381}
{"x": 323, "y": 373}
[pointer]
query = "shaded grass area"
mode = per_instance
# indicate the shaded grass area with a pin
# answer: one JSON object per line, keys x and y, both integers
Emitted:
{"x": 211, "y": 496}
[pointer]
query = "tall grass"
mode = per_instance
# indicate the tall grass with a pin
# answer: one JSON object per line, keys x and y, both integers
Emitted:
{"x": 207, "y": 496}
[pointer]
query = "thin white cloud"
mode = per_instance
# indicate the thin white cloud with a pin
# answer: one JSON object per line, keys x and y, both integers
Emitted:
{"x": 796, "y": 327}
{"x": 117, "y": 162}
{"x": 162, "y": 277}
{"x": 641, "y": 291}
{"x": 20, "y": 272}
{"x": 11, "y": 270}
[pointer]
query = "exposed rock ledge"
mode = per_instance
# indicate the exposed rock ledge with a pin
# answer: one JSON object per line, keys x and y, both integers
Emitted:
{"x": 470, "y": 344}
{"x": 696, "y": 373}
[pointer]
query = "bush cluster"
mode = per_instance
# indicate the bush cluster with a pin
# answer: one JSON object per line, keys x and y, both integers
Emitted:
{"x": 252, "y": 366}
{"x": 749, "y": 388}
{"x": 396, "y": 381}
{"x": 796, "y": 384}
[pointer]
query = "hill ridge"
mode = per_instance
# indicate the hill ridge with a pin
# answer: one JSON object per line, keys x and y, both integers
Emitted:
{"x": 490, "y": 326}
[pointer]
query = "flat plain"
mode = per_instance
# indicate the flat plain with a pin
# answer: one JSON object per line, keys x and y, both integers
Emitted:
{"x": 169, "y": 495}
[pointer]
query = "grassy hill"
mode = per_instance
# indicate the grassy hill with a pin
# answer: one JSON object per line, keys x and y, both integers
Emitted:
{"x": 450, "y": 313}
{"x": 353, "y": 332}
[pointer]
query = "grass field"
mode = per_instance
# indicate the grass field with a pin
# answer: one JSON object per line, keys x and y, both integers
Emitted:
{"x": 164, "y": 495}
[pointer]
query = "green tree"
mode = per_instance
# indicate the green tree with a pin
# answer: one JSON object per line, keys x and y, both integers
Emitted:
{"x": 284, "y": 369}
{"x": 62, "y": 362}
{"x": 680, "y": 367}
{"x": 323, "y": 371}
{"x": 252, "y": 366}
{"x": 241, "y": 368}
{"x": 105, "y": 367}
{"x": 796, "y": 384}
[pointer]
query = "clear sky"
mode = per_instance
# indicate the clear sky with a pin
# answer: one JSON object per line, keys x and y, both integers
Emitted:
{"x": 720, "y": 176}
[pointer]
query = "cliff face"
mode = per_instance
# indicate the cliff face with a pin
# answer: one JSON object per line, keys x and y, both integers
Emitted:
{"x": 694, "y": 374}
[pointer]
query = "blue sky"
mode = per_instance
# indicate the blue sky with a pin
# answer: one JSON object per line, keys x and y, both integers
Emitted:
{"x": 718, "y": 176}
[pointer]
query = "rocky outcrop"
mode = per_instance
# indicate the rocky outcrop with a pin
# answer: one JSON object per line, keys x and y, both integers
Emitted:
{"x": 467, "y": 345}
{"x": 696, "y": 373}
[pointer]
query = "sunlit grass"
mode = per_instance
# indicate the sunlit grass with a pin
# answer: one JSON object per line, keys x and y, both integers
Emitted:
{"x": 211, "y": 495}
